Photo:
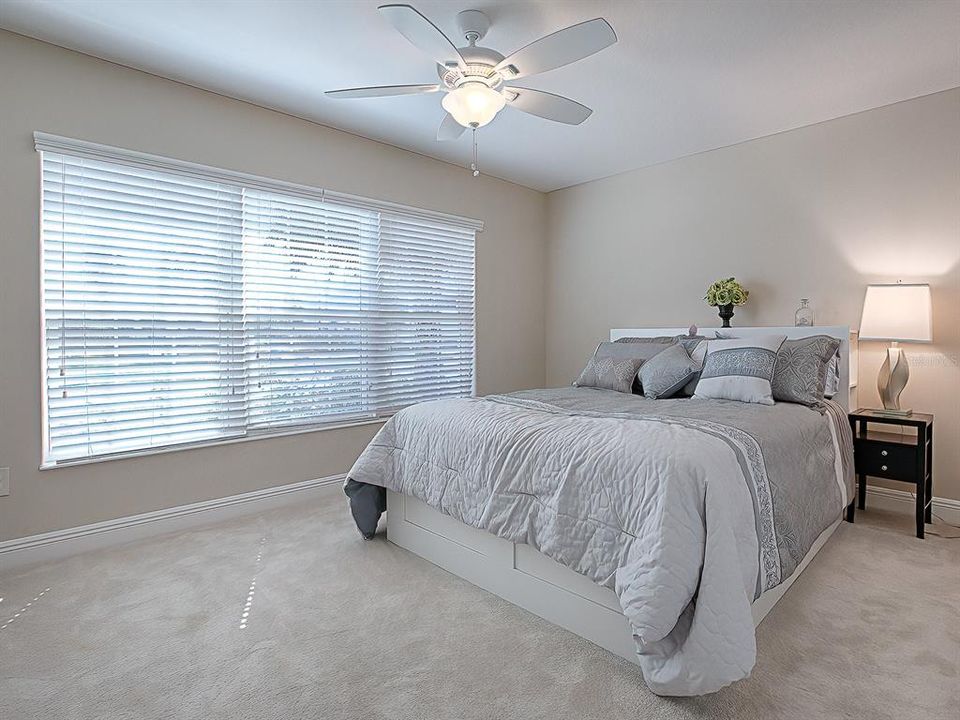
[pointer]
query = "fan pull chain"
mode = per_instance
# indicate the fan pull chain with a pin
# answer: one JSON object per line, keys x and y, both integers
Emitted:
{"x": 473, "y": 165}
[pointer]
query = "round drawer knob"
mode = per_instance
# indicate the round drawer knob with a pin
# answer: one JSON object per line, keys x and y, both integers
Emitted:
{"x": 883, "y": 452}
{"x": 883, "y": 467}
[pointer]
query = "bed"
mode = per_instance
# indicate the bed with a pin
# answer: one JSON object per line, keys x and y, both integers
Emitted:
{"x": 662, "y": 530}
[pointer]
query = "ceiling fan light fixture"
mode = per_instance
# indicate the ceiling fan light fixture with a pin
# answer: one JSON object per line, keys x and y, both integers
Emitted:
{"x": 473, "y": 104}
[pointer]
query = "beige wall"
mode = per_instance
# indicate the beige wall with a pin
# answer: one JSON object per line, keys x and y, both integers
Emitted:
{"x": 46, "y": 88}
{"x": 817, "y": 212}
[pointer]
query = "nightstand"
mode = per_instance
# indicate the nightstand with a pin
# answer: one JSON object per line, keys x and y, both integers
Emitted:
{"x": 895, "y": 455}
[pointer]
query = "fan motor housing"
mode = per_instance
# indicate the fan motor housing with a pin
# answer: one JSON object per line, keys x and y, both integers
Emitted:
{"x": 480, "y": 63}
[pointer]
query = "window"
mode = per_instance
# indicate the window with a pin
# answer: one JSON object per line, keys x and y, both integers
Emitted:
{"x": 184, "y": 305}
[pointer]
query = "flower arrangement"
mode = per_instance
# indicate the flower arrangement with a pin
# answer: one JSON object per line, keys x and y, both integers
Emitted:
{"x": 726, "y": 292}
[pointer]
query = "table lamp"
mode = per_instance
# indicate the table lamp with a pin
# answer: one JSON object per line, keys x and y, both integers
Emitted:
{"x": 896, "y": 313}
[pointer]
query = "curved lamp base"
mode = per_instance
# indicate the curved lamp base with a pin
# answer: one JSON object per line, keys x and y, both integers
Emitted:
{"x": 893, "y": 377}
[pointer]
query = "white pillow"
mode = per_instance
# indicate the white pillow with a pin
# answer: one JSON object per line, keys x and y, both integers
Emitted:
{"x": 740, "y": 369}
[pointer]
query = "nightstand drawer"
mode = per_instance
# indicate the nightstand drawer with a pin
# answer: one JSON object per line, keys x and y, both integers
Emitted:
{"x": 886, "y": 460}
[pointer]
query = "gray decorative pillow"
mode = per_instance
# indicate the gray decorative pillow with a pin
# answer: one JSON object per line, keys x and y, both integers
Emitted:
{"x": 610, "y": 373}
{"x": 740, "y": 369}
{"x": 690, "y": 342}
{"x": 696, "y": 347}
{"x": 833, "y": 376}
{"x": 619, "y": 351}
{"x": 661, "y": 339}
{"x": 666, "y": 373}
{"x": 801, "y": 371}
{"x": 643, "y": 351}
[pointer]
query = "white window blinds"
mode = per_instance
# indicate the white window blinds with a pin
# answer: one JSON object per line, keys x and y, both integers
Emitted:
{"x": 182, "y": 307}
{"x": 422, "y": 341}
{"x": 307, "y": 267}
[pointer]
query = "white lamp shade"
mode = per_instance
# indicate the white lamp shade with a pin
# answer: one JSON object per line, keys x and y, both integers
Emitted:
{"x": 473, "y": 104}
{"x": 900, "y": 313}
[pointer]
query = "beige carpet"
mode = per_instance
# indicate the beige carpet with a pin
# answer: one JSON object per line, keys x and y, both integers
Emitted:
{"x": 341, "y": 628}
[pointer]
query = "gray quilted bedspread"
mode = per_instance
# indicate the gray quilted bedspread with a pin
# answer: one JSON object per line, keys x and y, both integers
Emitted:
{"x": 688, "y": 509}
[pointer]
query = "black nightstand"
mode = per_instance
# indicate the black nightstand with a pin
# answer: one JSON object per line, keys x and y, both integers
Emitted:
{"x": 894, "y": 456}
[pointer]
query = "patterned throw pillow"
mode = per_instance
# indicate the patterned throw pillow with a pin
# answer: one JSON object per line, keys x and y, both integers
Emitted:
{"x": 666, "y": 373}
{"x": 641, "y": 351}
{"x": 800, "y": 375}
{"x": 740, "y": 369}
{"x": 610, "y": 373}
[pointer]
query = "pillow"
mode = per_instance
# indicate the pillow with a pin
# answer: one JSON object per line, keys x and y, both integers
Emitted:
{"x": 690, "y": 342}
{"x": 740, "y": 369}
{"x": 833, "y": 376}
{"x": 697, "y": 348}
{"x": 614, "y": 351}
{"x": 800, "y": 374}
{"x": 661, "y": 339}
{"x": 619, "y": 351}
{"x": 666, "y": 373}
{"x": 610, "y": 373}
{"x": 641, "y": 350}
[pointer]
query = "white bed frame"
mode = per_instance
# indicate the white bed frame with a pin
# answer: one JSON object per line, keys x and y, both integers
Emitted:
{"x": 531, "y": 580}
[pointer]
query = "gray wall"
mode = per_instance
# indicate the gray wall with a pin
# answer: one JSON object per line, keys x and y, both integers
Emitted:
{"x": 46, "y": 88}
{"x": 817, "y": 212}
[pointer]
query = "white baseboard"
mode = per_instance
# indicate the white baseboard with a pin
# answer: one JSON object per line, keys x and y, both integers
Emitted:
{"x": 900, "y": 501}
{"x": 58, "y": 544}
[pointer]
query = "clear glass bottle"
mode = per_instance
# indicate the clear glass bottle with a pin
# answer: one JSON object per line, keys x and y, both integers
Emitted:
{"x": 804, "y": 315}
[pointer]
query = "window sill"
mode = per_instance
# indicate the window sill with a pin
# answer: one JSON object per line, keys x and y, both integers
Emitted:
{"x": 262, "y": 435}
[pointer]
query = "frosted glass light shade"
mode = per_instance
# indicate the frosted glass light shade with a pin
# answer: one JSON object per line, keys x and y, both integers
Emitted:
{"x": 473, "y": 104}
{"x": 900, "y": 313}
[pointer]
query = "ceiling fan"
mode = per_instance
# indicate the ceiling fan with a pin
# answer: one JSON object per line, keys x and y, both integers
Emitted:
{"x": 478, "y": 80}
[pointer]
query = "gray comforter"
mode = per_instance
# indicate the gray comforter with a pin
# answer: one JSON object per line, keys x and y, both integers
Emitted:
{"x": 688, "y": 509}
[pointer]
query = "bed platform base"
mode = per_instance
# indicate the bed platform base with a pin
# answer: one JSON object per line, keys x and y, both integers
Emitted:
{"x": 525, "y": 577}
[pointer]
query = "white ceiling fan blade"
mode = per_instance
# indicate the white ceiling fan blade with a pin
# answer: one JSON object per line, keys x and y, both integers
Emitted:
{"x": 449, "y": 129}
{"x": 382, "y": 91}
{"x": 422, "y": 33}
{"x": 547, "y": 105}
{"x": 560, "y": 48}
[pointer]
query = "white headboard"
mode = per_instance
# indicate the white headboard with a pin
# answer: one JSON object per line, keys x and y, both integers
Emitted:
{"x": 841, "y": 332}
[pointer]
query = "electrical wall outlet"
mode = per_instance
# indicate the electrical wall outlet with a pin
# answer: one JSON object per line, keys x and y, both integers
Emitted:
{"x": 4, "y": 481}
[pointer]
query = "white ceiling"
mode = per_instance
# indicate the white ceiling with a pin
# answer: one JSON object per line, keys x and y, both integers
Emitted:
{"x": 685, "y": 76}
